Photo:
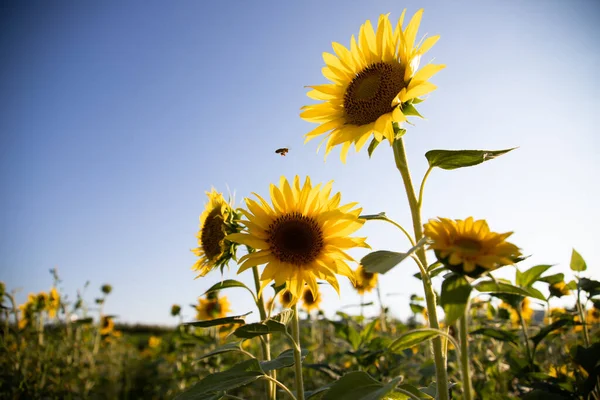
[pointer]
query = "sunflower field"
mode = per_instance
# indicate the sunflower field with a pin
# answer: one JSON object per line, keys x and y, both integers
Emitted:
{"x": 473, "y": 336}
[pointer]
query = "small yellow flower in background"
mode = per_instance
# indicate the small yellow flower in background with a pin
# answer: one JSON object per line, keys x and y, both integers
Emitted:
{"x": 553, "y": 314}
{"x": 154, "y": 342}
{"x": 365, "y": 281}
{"x": 373, "y": 84}
{"x": 562, "y": 370}
{"x": 217, "y": 221}
{"x": 592, "y": 317}
{"x": 311, "y": 300}
{"x": 559, "y": 289}
{"x": 285, "y": 297}
{"x": 526, "y": 312}
{"x": 302, "y": 237}
{"x": 27, "y": 313}
{"x": 53, "y": 303}
{"x": 107, "y": 325}
{"x": 212, "y": 307}
{"x": 468, "y": 247}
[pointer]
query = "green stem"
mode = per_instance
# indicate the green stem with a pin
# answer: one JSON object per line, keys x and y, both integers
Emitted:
{"x": 266, "y": 344}
{"x": 297, "y": 354}
{"x": 420, "y": 202}
{"x": 464, "y": 355}
{"x": 391, "y": 221}
{"x": 524, "y": 329}
{"x": 586, "y": 335}
{"x": 438, "y": 353}
{"x": 281, "y": 385}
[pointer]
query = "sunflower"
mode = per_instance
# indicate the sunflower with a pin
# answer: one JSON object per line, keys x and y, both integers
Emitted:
{"x": 302, "y": 238}
{"x": 365, "y": 281}
{"x": 27, "y": 313}
{"x": 212, "y": 307}
{"x": 217, "y": 220}
{"x": 285, "y": 297}
{"x": 107, "y": 325}
{"x": 310, "y": 299}
{"x": 469, "y": 247}
{"x": 154, "y": 342}
{"x": 53, "y": 303}
{"x": 373, "y": 85}
{"x": 559, "y": 289}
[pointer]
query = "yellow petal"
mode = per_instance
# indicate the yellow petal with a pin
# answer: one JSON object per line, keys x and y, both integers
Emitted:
{"x": 422, "y": 89}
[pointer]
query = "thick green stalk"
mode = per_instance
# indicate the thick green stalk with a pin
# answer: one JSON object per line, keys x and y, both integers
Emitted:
{"x": 415, "y": 210}
{"x": 266, "y": 343}
{"x": 297, "y": 354}
{"x": 464, "y": 356}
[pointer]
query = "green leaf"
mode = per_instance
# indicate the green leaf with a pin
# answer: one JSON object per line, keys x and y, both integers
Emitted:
{"x": 455, "y": 296}
{"x": 590, "y": 286}
{"x": 577, "y": 262}
{"x": 501, "y": 287}
{"x": 237, "y": 319}
{"x": 359, "y": 385}
{"x": 380, "y": 216}
{"x": 365, "y": 335}
{"x": 416, "y": 308}
{"x": 552, "y": 279}
{"x": 545, "y": 331}
{"x": 284, "y": 317}
{"x": 223, "y": 349}
{"x": 372, "y": 146}
{"x": 382, "y": 261}
{"x": 258, "y": 329}
{"x": 239, "y": 375}
{"x": 454, "y": 159}
{"x": 414, "y": 391}
{"x": 411, "y": 339}
{"x": 498, "y": 334}
{"x": 84, "y": 321}
{"x": 228, "y": 283}
{"x": 398, "y": 132}
{"x": 285, "y": 359}
{"x": 409, "y": 109}
{"x": 527, "y": 278}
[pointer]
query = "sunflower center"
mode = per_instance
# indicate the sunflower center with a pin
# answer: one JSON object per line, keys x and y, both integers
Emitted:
{"x": 370, "y": 94}
{"x": 468, "y": 246}
{"x": 295, "y": 239}
{"x": 212, "y": 234}
{"x": 367, "y": 276}
{"x": 309, "y": 298}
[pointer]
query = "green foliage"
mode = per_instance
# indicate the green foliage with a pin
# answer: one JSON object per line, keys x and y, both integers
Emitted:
{"x": 577, "y": 262}
{"x": 455, "y": 297}
{"x": 360, "y": 386}
{"x": 237, "y": 319}
{"x": 454, "y": 159}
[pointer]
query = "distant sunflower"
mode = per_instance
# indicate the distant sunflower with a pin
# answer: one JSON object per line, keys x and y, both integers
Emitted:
{"x": 212, "y": 307}
{"x": 285, "y": 297}
{"x": 217, "y": 221}
{"x": 302, "y": 238}
{"x": 365, "y": 281}
{"x": 107, "y": 325}
{"x": 374, "y": 84}
{"x": 154, "y": 342}
{"x": 311, "y": 300}
{"x": 53, "y": 303}
{"x": 559, "y": 289}
{"x": 468, "y": 247}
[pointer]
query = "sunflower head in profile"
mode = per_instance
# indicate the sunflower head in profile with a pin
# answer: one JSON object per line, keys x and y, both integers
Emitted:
{"x": 302, "y": 237}
{"x": 53, "y": 303}
{"x": 365, "y": 281}
{"x": 310, "y": 300}
{"x": 374, "y": 84}
{"x": 217, "y": 221}
{"x": 212, "y": 307}
{"x": 107, "y": 325}
{"x": 468, "y": 247}
{"x": 559, "y": 289}
{"x": 175, "y": 310}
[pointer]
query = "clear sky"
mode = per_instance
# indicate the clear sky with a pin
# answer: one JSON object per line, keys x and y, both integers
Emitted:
{"x": 115, "y": 118}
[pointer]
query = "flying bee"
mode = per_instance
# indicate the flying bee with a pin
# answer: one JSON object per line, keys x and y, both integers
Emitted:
{"x": 283, "y": 151}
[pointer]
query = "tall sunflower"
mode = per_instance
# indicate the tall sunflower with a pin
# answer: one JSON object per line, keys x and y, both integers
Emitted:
{"x": 373, "y": 85}
{"x": 310, "y": 299}
{"x": 301, "y": 238}
{"x": 468, "y": 247}
{"x": 212, "y": 307}
{"x": 365, "y": 281}
{"x": 53, "y": 303}
{"x": 217, "y": 221}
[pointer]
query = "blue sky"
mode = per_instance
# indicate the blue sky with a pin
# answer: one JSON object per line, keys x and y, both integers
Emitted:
{"x": 115, "y": 118}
